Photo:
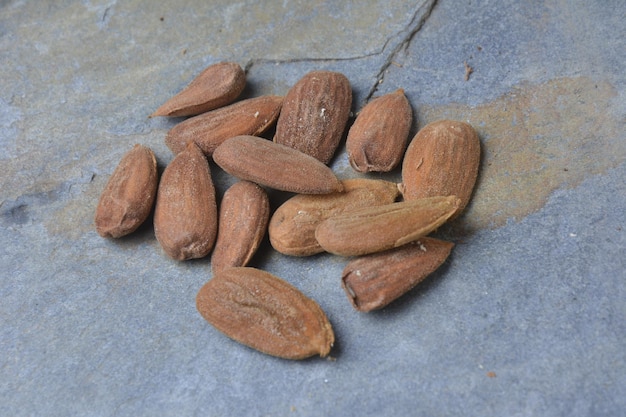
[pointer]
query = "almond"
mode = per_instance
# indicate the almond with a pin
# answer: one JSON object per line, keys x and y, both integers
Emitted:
{"x": 243, "y": 216}
{"x": 315, "y": 113}
{"x": 264, "y": 312}
{"x": 293, "y": 224}
{"x": 185, "y": 217}
{"x": 442, "y": 159}
{"x": 375, "y": 229}
{"x": 377, "y": 139}
{"x": 247, "y": 117}
{"x": 129, "y": 195}
{"x": 218, "y": 85}
{"x": 276, "y": 166}
{"x": 373, "y": 281}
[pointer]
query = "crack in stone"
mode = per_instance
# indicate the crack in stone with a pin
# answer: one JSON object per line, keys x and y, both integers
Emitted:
{"x": 414, "y": 26}
{"x": 259, "y": 61}
{"x": 417, "y": 23}
{"x": 105, "y": 14}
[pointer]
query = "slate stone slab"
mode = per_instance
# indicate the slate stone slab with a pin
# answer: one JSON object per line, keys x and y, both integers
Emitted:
{"x": 528, "y": 315}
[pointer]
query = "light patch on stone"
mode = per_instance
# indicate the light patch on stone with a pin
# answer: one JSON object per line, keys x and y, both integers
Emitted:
{"x": 535, "y": 139}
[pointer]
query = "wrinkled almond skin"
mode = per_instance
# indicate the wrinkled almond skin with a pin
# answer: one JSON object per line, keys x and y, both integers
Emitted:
{"x": 275, "y": 166}
{"x": 293, "y": 224}
{"x": 315, "y": 113}
{"x": 375, "y": 229}
{"x": 373, "y": 281}
{"x": 377, "y": 139}
{"x": 243, "y": 216}
{"x": 264, "y": 312}
{"x": 208, "y": 130}
{"x": 442, "y": 159}
{"x": 185, "y": 216}
{"x": 218, "y": 85}
{"x": 129, "y": 195}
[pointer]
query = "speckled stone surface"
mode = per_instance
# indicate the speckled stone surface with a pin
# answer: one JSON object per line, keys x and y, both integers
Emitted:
{"x": 526, "y": 318}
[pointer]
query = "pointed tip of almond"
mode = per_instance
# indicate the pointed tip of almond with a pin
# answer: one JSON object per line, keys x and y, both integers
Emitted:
{"x": 401, "y": 188}
{"x": 458, "y": 205}
{"x": 455, "y": 201}
{"x": 161, "y": 111}
{"x": 328, "y": 340}
{"x": 158, "y": 113}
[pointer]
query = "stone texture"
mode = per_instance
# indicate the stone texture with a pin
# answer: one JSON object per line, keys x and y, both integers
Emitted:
{"x": 533, "y": 292}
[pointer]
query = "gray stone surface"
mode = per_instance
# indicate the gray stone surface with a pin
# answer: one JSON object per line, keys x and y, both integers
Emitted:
{"x": 528, "y": 316}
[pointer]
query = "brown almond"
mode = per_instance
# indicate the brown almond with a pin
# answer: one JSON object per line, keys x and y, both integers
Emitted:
{"x": 442, "y": 159}
{"x": 315, "y": 113}
{"x": 293, "y": 224}
{"x": 373, "y": 281}
{"x": 247, "y": 117}
{"x": 243, "y": 216}
{"x": 375, "y": 229}
{"x": 218, "y": 85}
{"x": 185, "y": 217}
{"x": 276, "y": 166}
{"x": 264, "y": 312}
{"x": 377, "y": 139}
{"x": 129, "y": 195}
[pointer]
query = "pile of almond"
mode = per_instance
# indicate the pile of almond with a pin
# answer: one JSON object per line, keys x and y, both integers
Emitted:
{"x": 358, "y": 218}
